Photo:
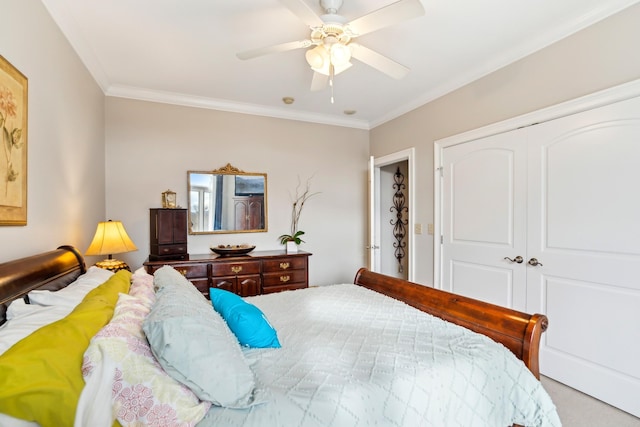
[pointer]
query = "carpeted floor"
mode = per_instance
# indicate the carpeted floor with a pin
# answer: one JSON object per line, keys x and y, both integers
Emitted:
{"x": 577, "y": 409}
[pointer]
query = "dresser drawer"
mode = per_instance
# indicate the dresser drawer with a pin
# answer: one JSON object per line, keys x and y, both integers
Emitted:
{"x": 192, "y": 270}
{"x": 202, "y": 285}
{"x": 187, "y": 270}
{"x": 244, "y": 285}
{"x": 176, "y": 249}
{"x": 284, "y": 264}
{"x": 284, "y": 278}
{"x": 235, "y": 268}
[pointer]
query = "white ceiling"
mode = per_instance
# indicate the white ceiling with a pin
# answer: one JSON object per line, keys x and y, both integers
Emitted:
{"x": 184, "y": 51}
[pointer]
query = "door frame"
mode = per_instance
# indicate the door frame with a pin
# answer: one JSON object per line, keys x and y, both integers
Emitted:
{"x": 584, "y": 103}
{"x": 376, "y": 163}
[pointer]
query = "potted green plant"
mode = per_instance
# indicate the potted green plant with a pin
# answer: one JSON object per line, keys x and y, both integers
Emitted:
{"x": 291, "y": 241}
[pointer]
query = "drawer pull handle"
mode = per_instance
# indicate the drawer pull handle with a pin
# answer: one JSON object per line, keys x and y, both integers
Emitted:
{"x": 285, "y": 279}
{"x": 284, "y": 265}
{"x": 183, "y": 272}
{"x": 236, "y": 268}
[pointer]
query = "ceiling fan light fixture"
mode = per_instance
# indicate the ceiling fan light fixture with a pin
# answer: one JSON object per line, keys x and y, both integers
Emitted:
{"x": 326, "y": 69}
{"x": 331, "y": 46}
{"x": 340, "y": 54}
{"x": 323, "y": 56}
{"x": 317, "y": 58}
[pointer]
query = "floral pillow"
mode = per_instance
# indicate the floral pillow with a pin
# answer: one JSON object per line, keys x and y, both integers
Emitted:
{"x": 143, "y": 393}
{"x": 142, "y": 287}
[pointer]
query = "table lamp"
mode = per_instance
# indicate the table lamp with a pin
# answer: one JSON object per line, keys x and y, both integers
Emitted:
{"x": 111, "y": 238}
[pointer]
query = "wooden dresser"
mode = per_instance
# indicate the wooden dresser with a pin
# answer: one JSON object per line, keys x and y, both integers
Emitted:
{"x": 259, "y": 272}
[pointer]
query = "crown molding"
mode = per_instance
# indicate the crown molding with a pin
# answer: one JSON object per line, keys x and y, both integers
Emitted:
{"x": 143, "y": 94}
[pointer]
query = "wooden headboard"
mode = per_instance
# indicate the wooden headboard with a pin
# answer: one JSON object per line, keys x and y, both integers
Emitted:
{"x": 51, "y": 270}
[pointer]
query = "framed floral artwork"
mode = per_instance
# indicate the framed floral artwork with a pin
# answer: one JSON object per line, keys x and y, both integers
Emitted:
{"x": 13, "y": 138}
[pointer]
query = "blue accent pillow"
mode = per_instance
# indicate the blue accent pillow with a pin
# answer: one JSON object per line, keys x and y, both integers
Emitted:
{"x": 245, "y": 320}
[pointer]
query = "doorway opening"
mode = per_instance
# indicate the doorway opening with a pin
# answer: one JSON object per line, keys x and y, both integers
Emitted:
{"x": 391, "y": 242}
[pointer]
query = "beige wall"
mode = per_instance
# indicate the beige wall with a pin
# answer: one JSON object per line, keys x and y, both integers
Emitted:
{"x": 66, "y": 195}
{"x": 151, "y": 146}
{"x": 599, "y": 57}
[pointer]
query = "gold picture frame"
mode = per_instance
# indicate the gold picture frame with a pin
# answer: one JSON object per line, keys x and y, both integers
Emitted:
{"x": 13, "y": 142}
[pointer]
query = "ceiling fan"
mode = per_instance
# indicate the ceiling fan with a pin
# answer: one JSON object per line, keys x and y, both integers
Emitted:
{"x": 331, "y": 45}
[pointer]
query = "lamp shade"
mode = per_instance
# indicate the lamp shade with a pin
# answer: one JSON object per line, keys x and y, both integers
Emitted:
{"x": 110, "y": 238}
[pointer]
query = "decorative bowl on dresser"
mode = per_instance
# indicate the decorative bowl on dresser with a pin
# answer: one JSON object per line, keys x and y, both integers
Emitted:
{"x": 259, "y": 272}
{"x": 232, "y": 250}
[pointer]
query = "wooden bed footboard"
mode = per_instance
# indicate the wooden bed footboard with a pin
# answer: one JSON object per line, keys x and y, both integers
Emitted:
{"x": 519, "y": 332}
{"x": 51, "y": 270}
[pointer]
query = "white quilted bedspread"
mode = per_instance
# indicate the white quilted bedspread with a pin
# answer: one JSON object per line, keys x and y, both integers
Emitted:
{"x": 352, "y": 357}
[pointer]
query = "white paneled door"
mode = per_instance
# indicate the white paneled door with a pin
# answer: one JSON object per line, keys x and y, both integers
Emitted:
{"x": 584, "y": 228}
{"x": 573, "y": 185}
{"x": 484, "y": 219}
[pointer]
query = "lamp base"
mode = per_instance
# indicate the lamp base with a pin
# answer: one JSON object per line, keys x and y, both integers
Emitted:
{"x": 113, "y": 265}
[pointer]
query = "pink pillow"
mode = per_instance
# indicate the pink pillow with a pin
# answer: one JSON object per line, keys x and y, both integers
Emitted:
{"x": 143, "y": 393}
{"x": 142, "y": 287}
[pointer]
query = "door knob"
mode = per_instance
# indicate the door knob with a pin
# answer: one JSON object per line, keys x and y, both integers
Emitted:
{"x": 534, "y": 262}
{"x": 517, "y": 259}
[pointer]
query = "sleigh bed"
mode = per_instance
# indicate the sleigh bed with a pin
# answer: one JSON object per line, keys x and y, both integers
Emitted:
{"x": 347, "y": 354}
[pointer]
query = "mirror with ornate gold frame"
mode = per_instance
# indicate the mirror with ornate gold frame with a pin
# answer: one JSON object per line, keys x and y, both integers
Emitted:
{"x": 227, "y": 200}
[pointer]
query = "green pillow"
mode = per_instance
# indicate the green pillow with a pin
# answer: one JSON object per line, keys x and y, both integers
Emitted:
{"x": 41, "y": 375}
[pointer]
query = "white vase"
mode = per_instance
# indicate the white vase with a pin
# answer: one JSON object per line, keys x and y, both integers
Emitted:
{"x": 291, "y": 247}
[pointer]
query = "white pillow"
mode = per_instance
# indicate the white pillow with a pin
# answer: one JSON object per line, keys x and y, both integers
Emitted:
{"x": 29, "y": 319}
{"x": 17, "y": 308}
{"x": 7, "y": 421}
{"x": 47, "y": 307}
{"x": 74, "y": 293}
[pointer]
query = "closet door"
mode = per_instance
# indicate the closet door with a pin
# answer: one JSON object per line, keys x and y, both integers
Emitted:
{"x": 484, "y": 219}
{"x": 564, "y": 195}
{"x": 584, "y": 230}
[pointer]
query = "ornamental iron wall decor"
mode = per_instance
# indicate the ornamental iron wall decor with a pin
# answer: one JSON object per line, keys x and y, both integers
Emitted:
{"x": 399, "y": 222}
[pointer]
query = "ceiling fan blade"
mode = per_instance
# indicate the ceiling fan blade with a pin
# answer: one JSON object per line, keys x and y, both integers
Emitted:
{"x": 283, "y": 47}
{"x": 378, "y": 61}
{"x": 303, "y": 12}
{"x": 319, "y": 82}
{"x": 386, "y": 16}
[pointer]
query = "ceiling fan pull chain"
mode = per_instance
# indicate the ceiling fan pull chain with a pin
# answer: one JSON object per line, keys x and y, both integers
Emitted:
{"x": 331, "y": 73}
